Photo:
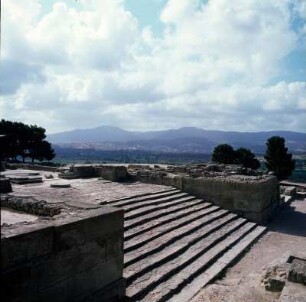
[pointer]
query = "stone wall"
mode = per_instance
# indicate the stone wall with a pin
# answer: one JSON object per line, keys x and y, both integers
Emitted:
{"x": 112, "y": 173}
{"x": 30, "y": 205}
{"x": 256, "y": 200}
{"x": 75, "y": 258}
{"x": 31, "y": 167}
{"x": 253, "y": 197}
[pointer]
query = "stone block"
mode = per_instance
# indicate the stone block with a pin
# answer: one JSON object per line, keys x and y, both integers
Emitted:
{"x": 112, "y": 173}
{"x": 71, "y": 259}
{"x": 83, "y": 284}
{"x": 173, "y": 180}
{"x": 290, "y": 191}
{"x": 83, "y": 171}
{"x": 25, "y": 246}
{"x": 297, "y": 271}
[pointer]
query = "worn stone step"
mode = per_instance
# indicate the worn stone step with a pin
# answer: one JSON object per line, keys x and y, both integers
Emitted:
{"x": 152, "y": 202}
{"x": 192, "y": 288}
{"x": 173, "y": 277}
{"x": 141, "y": 197}
{"x": 150, "y": 244}
{"x": 169, "y": 189}
{"x": 136, "y": 270}
{"x": 205, "y": 215}
{"x": 183, "y": 212}
{"x": 139, "y": 221}
{"x": 154, "y": 208}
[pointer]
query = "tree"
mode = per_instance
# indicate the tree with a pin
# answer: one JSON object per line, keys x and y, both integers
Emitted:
{"x": 41, "y": 150}
{"x": 25, "y": 141}
{"x": 278, "y": 160}
{"x": 247, "y": 159}
{"x": 224, "y": 154}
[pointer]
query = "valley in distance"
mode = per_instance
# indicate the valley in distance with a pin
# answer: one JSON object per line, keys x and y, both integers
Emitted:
{"x": 107, "y": 144}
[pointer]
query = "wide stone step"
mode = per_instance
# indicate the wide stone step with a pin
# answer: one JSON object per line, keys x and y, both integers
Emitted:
{"x": 185, "y": 212}
{"x": 147, "y": 264}
{"x": 141, "y": 197}
{"x": 204, "y": 216}
{"x": 130, "y": 224}
{"x": 165, "y": 281}
{"x": 152, "y": 202}
{"x": 155, "y": 208}
{"x": 145, "y": 246}
{"x": 192, "y": 288}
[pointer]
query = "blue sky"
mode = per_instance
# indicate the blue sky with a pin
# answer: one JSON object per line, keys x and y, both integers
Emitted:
{"x": 154, "y": 64}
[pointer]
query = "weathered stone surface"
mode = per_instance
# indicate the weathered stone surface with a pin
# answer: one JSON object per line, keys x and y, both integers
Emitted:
{"x": 297, "y": 271}
{"x": 30, "y": 205}
{"x": 69, "y": 259}
{"x": 84, "y": 171}
{"x": 293, "y": 292}
{"x": 112, "y": 173}
{"x": 290, "y": 191}
{"x": 274, "y": 277}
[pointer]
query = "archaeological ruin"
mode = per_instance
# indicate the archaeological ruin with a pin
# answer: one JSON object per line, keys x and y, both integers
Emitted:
{"x": 133, "y": 232}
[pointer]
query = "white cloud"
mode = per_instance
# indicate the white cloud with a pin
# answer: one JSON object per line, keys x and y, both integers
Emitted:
{"x": 214, "y": 66}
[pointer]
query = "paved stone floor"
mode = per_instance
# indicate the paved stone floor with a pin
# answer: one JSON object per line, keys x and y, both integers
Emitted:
{"x": 9, "y": 216}
{"x": 92, "y": 190}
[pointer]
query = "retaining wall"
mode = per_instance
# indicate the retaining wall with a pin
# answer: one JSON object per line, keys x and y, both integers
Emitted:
{"x": 74, "y": 259}
{"x": 254, "y": 198}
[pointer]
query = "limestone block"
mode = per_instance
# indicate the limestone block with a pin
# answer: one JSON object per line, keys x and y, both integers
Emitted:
{"x": 84, "y": 171}
{"x": 25, "y": 246}
{"x": 112, "y": 173}
{"x": 297, "y": 271}
{"x": 274, "y": 277}
{"x": 290, "y": 191}
{"x": 173, "y": 180}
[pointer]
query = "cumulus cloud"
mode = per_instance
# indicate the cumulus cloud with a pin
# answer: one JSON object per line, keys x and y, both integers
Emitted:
{"x": 216, "y": 65}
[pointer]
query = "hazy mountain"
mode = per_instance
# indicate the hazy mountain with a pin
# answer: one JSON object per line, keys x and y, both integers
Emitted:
{"x": 99, "y": 134}
{"x": 188, "y": 139}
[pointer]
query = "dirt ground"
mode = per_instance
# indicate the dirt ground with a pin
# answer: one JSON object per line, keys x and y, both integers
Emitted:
{"x": 241, "y": 283}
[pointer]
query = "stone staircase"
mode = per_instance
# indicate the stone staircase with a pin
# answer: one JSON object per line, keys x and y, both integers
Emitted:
{"x": 175, "y": 244}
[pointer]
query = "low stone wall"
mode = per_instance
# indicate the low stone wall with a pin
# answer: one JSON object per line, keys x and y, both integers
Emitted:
{"x": 31, "y": 167}
{"x": 83, "y": 171}
{"x": 112, "y": 173}
{"x": 75, "y": 258}
{"x": 30, "y": 205}
{"x": 255, "y": 198}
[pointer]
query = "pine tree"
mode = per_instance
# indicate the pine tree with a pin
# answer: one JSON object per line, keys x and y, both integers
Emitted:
{"x": 278, "y": 160}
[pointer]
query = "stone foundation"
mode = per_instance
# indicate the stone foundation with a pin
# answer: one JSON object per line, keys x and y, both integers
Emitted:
{"x": 74, "y": 258}
{"x": 112, "y": 173}
{"x": 253, "y": 197}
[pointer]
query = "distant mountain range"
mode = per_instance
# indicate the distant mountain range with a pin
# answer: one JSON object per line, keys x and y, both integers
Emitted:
{"x": 187, "y": 139}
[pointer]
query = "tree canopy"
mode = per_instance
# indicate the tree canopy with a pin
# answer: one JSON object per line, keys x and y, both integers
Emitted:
{"x": 26, "y": 141}
{"x": 278, "y": 160}
{"x": 225, "y": 154}
{"x": 247, "y": 159}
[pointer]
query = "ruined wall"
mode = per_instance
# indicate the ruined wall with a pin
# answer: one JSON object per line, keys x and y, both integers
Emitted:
{"x": 112, "y": 173}
{"x": 255, "y": 198}
{"x": 77, "y": 258}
